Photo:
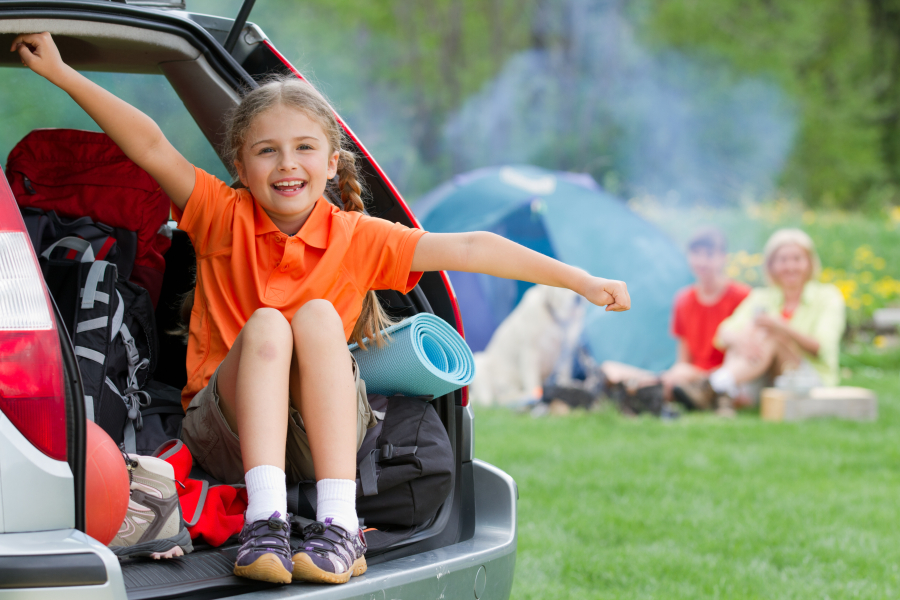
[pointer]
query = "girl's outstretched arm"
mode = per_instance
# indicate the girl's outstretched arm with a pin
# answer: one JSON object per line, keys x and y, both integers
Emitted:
{"x": 483, "y": 252}
{"x": 134, "y": 132}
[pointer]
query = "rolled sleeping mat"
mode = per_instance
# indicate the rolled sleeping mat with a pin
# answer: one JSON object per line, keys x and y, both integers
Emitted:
{"x": 424, "y": 357}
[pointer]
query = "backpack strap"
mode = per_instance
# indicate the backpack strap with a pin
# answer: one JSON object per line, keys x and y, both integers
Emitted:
{"x": 94, "y": 279}
{"x": 133, "y": 400}
{"x": 73, "y": 243}
{"x": 368, "y": 475}
{"x": 135, "y": 362}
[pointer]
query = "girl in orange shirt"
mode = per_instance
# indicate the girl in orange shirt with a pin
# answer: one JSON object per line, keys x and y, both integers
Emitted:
{"x": 284, "y": 279}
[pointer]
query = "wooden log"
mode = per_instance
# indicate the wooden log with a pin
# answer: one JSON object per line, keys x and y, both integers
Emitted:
{"x": 851, "y": 403}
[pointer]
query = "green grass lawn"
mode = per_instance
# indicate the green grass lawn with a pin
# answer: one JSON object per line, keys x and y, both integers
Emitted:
{"x": 616, "y": 507}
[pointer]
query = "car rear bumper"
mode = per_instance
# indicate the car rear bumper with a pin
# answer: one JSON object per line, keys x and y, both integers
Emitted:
{"x": 481, "y": 567}
{"x": 62, "y": 563}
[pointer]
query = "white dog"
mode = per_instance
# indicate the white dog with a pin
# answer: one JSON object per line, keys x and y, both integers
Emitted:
{"x": 537, "y": 339}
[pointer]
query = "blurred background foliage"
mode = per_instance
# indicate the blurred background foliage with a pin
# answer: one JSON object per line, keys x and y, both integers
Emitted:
{"x": 694, "y": 102}
{"x": 672, "y": 97}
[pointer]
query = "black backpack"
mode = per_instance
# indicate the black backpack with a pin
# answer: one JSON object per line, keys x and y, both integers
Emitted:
{"x": 109, "y": 319}
{"x": 404, "y": 471}
{"x": 112, "y": 244}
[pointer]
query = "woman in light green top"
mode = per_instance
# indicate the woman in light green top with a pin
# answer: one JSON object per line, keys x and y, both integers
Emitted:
{"x": 778, "y": 327}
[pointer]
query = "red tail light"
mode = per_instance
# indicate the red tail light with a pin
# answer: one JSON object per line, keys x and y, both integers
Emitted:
{"x": 31, "y": 380}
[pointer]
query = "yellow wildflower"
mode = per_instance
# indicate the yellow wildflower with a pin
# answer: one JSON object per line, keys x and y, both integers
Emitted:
{"x": 867, "y": 299}
{"x": 847, "y": 287}
{"x": 878, "y": 263}
{"x": 885, "y": 287}
{"x": 863, "y": 253}
{"x": 895, "y": 215}
{"x": 879, "y": 341}
{"x": 865, "y": 277}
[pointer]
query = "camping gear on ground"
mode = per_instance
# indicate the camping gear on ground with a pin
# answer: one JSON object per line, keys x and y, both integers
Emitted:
{"x": 212, "y": 513}
{"x": 573, "y": 395}
{"x": 112, "y": 327}
{"x": 106, "y": 485}
{"x": 424, "y": 357}
{"x": 635, "y": 401}
{"x": 84, "y": 174}
{"x": 851, "y": 403}
{"x": 569, "y": 217}
{"x": 404, "y": 472}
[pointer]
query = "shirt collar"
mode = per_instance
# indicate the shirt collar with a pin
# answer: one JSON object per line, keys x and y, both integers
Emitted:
{"x": 313, "y": 233}
{"x": 807, "y": 296}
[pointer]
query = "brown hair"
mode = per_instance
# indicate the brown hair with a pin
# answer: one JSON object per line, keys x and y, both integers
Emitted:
{"x": 346, "y": 193}
{"x": 708, "y": 238}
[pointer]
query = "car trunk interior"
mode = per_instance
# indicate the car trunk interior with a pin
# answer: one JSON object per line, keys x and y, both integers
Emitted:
{"x": 128, "y": 46}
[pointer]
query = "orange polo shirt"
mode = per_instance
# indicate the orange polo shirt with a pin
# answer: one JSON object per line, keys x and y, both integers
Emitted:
{"x": 244, "y": 262}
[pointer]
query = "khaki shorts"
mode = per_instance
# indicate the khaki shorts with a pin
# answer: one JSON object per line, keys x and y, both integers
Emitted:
{"x": 217, "y": 449}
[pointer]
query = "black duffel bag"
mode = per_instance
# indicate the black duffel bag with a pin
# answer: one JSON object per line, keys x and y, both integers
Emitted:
{"x": 404, "y": 469}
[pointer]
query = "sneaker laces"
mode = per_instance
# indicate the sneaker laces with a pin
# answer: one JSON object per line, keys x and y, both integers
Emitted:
{"x": 316, "y": 531}
{"x": 275, "y": 528}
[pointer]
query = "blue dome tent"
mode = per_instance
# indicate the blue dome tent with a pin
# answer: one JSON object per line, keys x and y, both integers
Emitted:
{"x": 569, "y": 217}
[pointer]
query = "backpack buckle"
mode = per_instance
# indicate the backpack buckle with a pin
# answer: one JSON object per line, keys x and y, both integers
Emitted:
{"x": 387, "y": 451}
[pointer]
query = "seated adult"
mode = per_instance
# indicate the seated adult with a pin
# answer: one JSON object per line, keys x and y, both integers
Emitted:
{"x": 698, "y": 310}
{"x": 792, "y": 321}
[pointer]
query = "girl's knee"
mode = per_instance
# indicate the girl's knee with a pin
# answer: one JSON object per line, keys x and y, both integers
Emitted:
{"x": 316, "y": 313}
{"x": 268, "y": 323}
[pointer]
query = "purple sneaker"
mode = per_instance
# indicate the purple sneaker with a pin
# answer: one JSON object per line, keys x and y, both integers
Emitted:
{"x": 330, "y": 554}
{"x": 265, "y": 552}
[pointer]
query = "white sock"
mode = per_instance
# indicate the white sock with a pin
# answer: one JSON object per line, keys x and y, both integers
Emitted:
{"x": 336, "y": 499}
{"x": 266, "y": 493}
{"x": 723, "y": 382}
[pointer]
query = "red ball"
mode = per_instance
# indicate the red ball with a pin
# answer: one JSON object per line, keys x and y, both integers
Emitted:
{"x": 106, "y": 485}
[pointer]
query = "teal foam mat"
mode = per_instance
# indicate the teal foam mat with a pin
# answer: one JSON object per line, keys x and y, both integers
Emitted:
{"x": 425, "y": 357}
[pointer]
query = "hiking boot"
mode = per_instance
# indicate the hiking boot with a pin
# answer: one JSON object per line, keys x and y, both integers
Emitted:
{"x": 265, "y": 552}
{"x": 330, "y": 554}
{"x": 697, "y": 395}
{"x": 153, "y": 526}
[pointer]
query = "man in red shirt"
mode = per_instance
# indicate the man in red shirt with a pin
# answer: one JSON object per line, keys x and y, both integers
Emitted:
{"x": 699, "y": 309}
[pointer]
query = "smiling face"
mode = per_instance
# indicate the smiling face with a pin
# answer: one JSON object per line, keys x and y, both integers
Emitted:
{"x": 286, "y": 162}
{"x": 707, "y": 264}
{"x": 790, "y": 266}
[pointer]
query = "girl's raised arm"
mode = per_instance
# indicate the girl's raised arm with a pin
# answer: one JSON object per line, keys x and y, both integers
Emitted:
{"x": 134, "y": 132}
{"x": 483, "y": 252}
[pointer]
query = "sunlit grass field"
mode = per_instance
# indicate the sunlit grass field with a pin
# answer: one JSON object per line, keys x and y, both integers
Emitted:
{"x": 699, "y": 507}
{"x": 616, "y": 507}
